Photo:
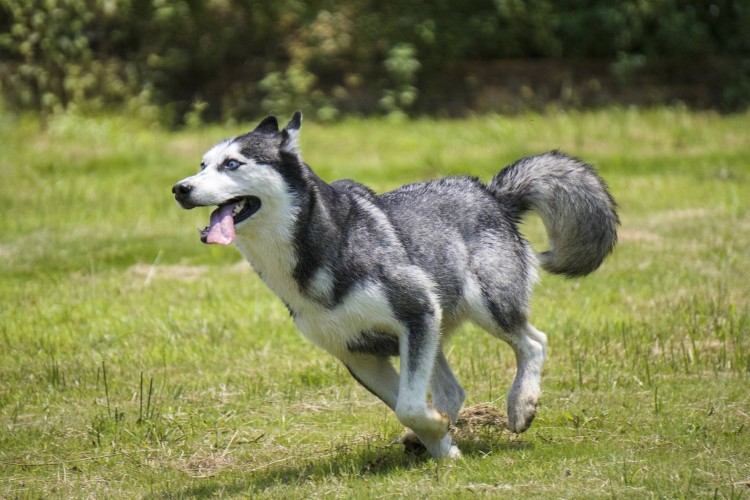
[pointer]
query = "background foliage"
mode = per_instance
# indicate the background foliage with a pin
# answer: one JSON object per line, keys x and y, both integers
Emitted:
{"x": 236, "y": 58}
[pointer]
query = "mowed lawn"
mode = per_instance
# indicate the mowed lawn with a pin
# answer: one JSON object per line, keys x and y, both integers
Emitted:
{"x": 137, "y": 362}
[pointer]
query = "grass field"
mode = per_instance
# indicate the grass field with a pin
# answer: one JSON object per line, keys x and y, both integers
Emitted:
{"x": 137, "y": 362}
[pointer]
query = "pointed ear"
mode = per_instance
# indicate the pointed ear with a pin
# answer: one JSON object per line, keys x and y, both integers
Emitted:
{"x": 290, "y": 134}
{"x": 267, "y": 124}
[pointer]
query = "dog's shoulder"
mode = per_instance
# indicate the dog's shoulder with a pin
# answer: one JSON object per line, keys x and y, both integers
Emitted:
{"x": 354, "y": 187}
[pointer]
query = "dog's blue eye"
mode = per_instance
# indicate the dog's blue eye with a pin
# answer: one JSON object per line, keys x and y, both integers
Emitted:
{"x": 203, "y": 166}
{"x": 232, "y": 164}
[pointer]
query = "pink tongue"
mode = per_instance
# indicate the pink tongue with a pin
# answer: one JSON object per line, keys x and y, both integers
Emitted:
{"x": 221, "y": 228}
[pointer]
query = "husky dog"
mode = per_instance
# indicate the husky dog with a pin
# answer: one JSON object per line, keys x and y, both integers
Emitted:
{"x": 369, "y": 276}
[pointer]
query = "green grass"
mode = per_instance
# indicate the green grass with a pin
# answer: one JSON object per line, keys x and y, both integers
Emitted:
{"x": 135, "y": 361}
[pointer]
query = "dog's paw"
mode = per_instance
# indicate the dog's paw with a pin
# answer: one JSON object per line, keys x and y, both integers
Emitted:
{"x": 448, "y": 449}
{"x": 427, "y": 422}
{"x": 454, "y": 453}
{"x": 521, "y": 414}
{"x": 443, "y": 449}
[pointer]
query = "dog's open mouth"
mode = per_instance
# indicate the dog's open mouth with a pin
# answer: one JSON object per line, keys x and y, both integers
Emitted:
{"x": 223, "y": 220}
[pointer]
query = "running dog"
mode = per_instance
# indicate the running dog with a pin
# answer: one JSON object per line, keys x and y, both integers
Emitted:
{"x": 369, "y": 276}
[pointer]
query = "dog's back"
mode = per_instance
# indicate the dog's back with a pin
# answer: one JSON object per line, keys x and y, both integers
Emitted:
{"x": 456, "y": 230}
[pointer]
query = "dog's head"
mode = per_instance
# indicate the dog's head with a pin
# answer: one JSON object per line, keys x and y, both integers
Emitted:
{"x": 248, "y": 177}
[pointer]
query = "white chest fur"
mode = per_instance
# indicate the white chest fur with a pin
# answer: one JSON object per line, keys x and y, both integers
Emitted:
{"x": 364, "y": 308}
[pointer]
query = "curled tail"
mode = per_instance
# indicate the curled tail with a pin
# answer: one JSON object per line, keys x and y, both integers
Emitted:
{"x": 574, "y": 204}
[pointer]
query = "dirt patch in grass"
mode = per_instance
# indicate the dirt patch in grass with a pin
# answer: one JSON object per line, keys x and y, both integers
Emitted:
{"x": 476, "y": 421}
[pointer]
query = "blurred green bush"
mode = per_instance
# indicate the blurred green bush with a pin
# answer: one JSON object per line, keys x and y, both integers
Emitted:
{"x": 183, "y": 61}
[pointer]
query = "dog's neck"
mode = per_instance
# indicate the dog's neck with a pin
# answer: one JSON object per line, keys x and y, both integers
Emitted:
{"x": 286, "y": 244}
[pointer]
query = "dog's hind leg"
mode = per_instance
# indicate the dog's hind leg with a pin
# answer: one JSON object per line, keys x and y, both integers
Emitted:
{"x": 498, "y": 299}
{"x": 447, "y": 394}
{"x": 529, "y": 345}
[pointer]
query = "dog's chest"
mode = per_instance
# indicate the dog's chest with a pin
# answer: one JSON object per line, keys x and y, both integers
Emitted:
{"x": 362, "y": 319}
{"x": 336, "y": 328}
{"x": 274, "y": 261}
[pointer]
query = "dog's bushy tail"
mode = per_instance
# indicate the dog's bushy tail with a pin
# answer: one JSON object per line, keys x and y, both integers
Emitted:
{"x": 574, "y": 203}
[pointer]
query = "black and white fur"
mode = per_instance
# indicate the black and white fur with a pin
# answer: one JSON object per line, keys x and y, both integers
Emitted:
{"x": 369, "y": 277}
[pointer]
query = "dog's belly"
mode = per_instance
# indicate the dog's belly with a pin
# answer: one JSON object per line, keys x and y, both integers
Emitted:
{"x": 375, "y": 343}
{"x": 363, "y": 323}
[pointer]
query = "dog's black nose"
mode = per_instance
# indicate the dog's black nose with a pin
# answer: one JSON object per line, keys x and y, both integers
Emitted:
{"x": 181, "y": 190}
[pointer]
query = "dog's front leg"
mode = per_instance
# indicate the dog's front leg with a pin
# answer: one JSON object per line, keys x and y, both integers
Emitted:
{"x": 418, "y": 350}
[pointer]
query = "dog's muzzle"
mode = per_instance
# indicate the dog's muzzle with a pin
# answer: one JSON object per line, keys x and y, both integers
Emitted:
{"x": 182, "y": 192}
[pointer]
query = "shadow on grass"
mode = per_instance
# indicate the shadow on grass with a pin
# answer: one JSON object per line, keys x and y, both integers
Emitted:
{"x": 492, "y": 444}
{"x": 362, "y": 462}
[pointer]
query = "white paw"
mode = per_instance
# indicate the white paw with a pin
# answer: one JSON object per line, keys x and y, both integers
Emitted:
{"x": 446, "y": 449}
{"x": 454, "y": 453}
{"x": 440, "y": 449}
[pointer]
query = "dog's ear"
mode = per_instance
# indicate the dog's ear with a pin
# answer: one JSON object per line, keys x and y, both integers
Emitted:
{"x": 268, "y": 124}
{"x": 290, "y": 134}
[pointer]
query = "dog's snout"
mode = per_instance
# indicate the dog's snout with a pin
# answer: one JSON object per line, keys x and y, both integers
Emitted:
{"x": 181, "y": 190}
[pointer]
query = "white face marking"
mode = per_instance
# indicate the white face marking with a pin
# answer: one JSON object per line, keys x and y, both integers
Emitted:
{"x": 215, "y": 184}
{"x": 213, "y": 155}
